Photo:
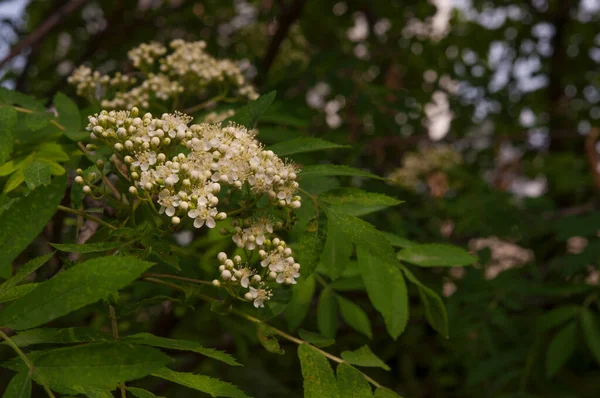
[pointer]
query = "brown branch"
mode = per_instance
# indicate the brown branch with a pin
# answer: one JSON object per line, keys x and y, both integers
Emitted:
{"x": 41, "y": 31}
{"x": 289, "y": 15}
{"x": 592, "y": 155}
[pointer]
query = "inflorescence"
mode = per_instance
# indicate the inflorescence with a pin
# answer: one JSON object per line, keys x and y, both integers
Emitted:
{"x": 183, "y": 69}
{"x": 184, "y": 167}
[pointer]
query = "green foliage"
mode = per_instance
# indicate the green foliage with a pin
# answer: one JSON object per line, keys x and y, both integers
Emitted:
{"x": 299, "y": 306}
{"x": 251, "y": 113}
{"x": 140, "y": 393}
{"x": 351, "y": 383}
{"x": 72, "y": 289}
{"x": 58, "y": 336}
{"x": 19, "y": 386}
{"x": 561, "y": 348}
{"x": 8, "y": 122}
{"x": 335, "y": 170}
{"x": 86, "y": 248}
{"x": 319, "y": 380}
{"x": 436, "y": 255}
{"x": 357, "y": 202}
{"x": 26, "y": 269}
{"x": 354, "y": 316}
{"x": 303, "y": 145}
{"x": 205, "y": 384}
{"x": 364, "y": 357}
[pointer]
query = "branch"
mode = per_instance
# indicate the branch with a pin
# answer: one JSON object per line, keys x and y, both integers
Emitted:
{"x": 41, "y": 31}
{"x": 286, "y": 19}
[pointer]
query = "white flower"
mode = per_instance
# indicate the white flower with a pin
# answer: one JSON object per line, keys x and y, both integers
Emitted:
{"x": 259, "y": 296}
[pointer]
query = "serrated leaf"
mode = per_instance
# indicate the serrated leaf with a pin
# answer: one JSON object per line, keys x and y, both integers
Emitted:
{"x": 383, "y": 392}
{"x": 87, "y": 247}
{"x": 266, "y": 337}
{"x": 249, "y": 114}
{"x": 141, "y": 393}
{"x": 68, "y": 117}
{"x": 299, "y": 305}
{"x": 208, "y": 385}
{"x": 436, "y": 255}
{"x": 8, "y": 122}
{"x": 336, "y": 170}
{"x": 435, "y": 310}
{"x": 591, "y": 332}
{"x": 386, "y": 289}
{"x": 23, "y": 271}
{"x": 336, "y": 251}
{"x": 561, "y": 348}
{"x": 315, "y": 339}
{"x": 19, "y": 386}
{"x": 351, "y": 383}
{"x": 97, "y": 365}
{"x": 59, "y": 336}
{"x": 327, "y": 313}
{"x": 36, "y": 174}
{"x": 319, "y": 380}
{"x": 17, "y": 292}
{"x": 354, "y": 316}
{"x": 303, "y": 145}
{"x": 357, "y": 202}
{"x": 27, "y": 218}
{"x": 72, "y": 289}
{"x": 185, "y": 345}
{"x": 364, "y": 357}
{"x": 309, "y": 247}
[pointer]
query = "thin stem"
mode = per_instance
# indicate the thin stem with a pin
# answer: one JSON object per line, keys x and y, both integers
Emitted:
{"x": 113, "y": 322}
{"x": 27, "y": 362}
{"x": 109, "y": 184}
{"x": 258, "y": 321}
{"x": 179, "y": 278}
{"x": 25, "y": 110}
{"x": 204, "y": 104}
{"x": 86, "y": 215}
{"x": 313, "y": 198}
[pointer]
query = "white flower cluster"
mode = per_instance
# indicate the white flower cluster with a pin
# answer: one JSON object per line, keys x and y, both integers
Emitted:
{"x": 188, "y": 70}
{"x": 278, "y": 265}
{"x": 415, "y": 166}
{"x": 187, "y": 184}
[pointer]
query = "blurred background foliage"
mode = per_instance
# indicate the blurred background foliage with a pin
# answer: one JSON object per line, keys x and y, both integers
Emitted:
{"x": 511, "y": 88}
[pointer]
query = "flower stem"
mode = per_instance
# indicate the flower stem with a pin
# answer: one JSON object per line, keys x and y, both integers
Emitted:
{"x": 27, "y": 362}
{"x": 86, "y": 215}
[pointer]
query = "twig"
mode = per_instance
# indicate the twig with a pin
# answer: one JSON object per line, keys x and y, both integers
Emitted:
{"x": 43, "y": 29}
{"x": 286, "y": 19}
{"x": 86, "y": 215}
{"x": 179, "y": 278}
{"x": 105, "y": 179}
{"x": 258, "y": 321}
{"x": 27, "y": 362}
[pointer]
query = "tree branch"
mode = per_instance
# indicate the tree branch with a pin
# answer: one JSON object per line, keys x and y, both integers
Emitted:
{"x": 41, "y": 31}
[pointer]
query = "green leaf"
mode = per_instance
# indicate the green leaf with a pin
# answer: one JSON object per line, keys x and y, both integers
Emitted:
{"x": 435, "y": 310}
{"x": 72, "y": 289}
{"x": 351, "y": 383}
{"x": 561, "y": 348}
{"x": 309, "y": 247}
{"x": 299, "y": 305}
{"x": 556, "y": 317}
{"x": 59, "y": 336}
{"x": 357, "y": 202}
{"x": 436, "y": 255}
{"x": 208, "y": 385}
{"x": 17, "y": 292}
{"x": 319, "y": 380}
{"x": 27, "y": 218}
{"x": 266, "y": 337}
{"x": 383, "y": 392}
{"x": 336, "y": 170}
{"x": 591, "y": 332}
{"x": 302, "y": 145}
{"x": 141, "y": 393}
{"x": 36, "y": 174}
{"x": 354, "y": 316}
{"x": 386, "y": 289}
{"x": 315, "y": 339}
{"x": 19, "y": 386}
{"x": 86, "y": 248}
{"x": 185, "y": 345}
{"x": 336, "y": 252}
{"x": 12, "y": 97}
{"x": 8, "y": 122}
{"x": 13, "y": 182}
{"x": 98, "y": 365}
{"x": 364, "y": 357}
{"x": 69, "y": 117}
{"x": 397, "y": 241}
{"x": 327, "y": 313}
{"x": 23, "y": 271}
{"x": 249, "y": 114}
